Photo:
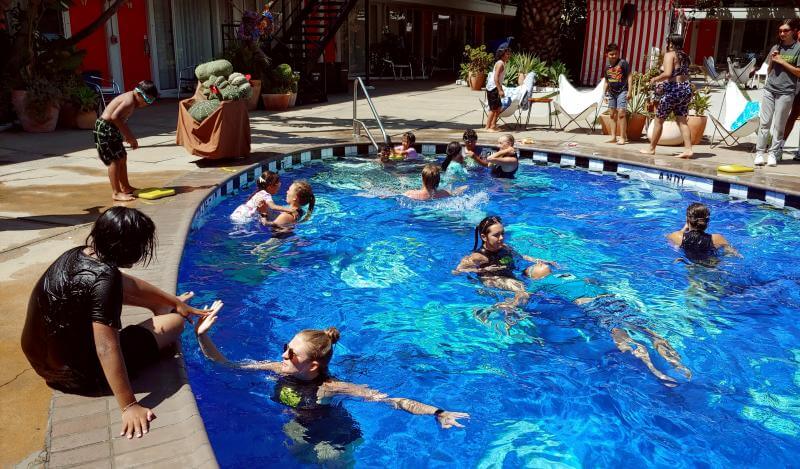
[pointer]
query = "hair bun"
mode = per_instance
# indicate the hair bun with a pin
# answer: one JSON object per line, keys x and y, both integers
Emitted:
{"x": 333, "y": 334}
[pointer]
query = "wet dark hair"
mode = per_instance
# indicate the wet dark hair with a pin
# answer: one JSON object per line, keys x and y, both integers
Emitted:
{"x": 453, "y": 150}
{"x": 676, "y": 40}
{"x": 500, "y": 51}
{"x": 411, "y": 138}
{"x": 470, "y": 134}
{"x": 123, "y": 236}
{"x": 611, "y": 47}
{"x": 267, "y": 179}
{"x": 148, "y": 88}
{"x": 698, "y": 215}
{"x": 483, "y": 228}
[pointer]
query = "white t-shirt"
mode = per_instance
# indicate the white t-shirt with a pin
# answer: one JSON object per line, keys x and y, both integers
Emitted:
{"x": 490, "y": 79}
{"x": 245, "y": 212}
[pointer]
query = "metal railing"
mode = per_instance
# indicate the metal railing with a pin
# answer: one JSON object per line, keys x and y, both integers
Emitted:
{"x": 358, "y": 124}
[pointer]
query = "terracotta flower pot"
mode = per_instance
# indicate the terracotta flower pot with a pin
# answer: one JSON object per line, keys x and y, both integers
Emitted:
{"x": 477, "y": 81}
{"x": 634, "y": 129}
{"x": 276, "y": 102}
{"x": 85, "y": 119}
{"x": 35, "y": 124}
{"x": 697, "y": 125}
{"x": 252, "y": 102}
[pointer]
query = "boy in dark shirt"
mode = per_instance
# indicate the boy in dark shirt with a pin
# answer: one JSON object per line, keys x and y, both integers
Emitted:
{"x": 618, "y": 75}
{"x": 72, "y": 334}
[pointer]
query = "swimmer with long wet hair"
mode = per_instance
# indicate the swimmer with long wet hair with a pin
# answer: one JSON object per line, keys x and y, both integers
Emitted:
{"x": 304, "y": 381}
{"x": 268, "y": 184}
{"x": 696, "y": 244}
{"x": 495, "y": 262}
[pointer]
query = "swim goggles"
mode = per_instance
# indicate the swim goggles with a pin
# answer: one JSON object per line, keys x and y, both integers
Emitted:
{"x": 147, "y": 99}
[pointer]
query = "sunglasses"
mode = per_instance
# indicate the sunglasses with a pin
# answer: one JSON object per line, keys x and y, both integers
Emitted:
{"x": 289, "y": 351}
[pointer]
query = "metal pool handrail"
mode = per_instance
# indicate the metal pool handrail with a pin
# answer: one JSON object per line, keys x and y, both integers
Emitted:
{"x": 358, "y": 124}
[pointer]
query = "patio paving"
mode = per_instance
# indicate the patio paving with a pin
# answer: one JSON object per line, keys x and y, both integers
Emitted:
{"x": 52, "y": 187}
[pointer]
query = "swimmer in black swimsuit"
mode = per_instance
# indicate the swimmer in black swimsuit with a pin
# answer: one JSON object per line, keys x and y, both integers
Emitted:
{"x": 298, "y": 196}
{"x": 504, "y": 162}
{"x": 696, "y": 244}
{"x": 495, "y": 262}
{"x": 304, "y": 381}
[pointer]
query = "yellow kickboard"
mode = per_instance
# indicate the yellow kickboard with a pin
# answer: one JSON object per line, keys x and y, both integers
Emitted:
{"x": 734, "y": 168}
{"x": 153, "y": 193}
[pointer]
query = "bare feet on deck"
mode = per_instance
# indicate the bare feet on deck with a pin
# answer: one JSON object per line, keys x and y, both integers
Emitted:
{"x": 612, "y": 140}
{"x": 686, "y": 155}
{"x": 621, "y": 141}
{"x": 123, "y": 197}
{"x": 647, "y": 151}
{"x": 130, "y": 190}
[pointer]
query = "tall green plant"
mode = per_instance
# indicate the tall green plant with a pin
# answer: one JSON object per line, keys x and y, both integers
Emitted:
{"x": 638, "y": 94}
{"x": 478, "y": 60}
{"x": 522, "y": 62}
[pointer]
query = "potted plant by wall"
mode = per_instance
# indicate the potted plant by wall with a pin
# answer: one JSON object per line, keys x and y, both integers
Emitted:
{"x": 85, "y": 101}
{"x": 478, "y": 64}
{"x": 279, "y": 87}
{"x": 294, "y": 86}
{"x": 38, "y": 107}
{"x": 519, "y": 65}
{"x": 636, "y": 110}
{"x": 246, "y": 55}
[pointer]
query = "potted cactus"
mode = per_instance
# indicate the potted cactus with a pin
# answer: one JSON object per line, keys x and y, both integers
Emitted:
{"x": 214, "y": 122}
{"x": 280, "y": 89}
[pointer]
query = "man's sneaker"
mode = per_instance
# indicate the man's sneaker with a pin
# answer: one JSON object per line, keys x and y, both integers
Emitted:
{"x": 759, "y": 161}
{"x": 771, "y": 160}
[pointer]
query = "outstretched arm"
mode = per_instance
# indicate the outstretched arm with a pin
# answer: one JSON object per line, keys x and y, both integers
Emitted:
{"x": 445, "y": 418}
{"x": 137, "y": 292}
{"x": 212, "y": 352}
{"x": 507, "y": 156}
{"x": 273, "y": 206}
{"x": 720, "y": 242}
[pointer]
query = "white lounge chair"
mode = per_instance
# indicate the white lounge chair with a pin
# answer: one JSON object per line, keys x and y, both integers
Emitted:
{"x": 712, "y": 74}
{"x": 579, "y": 105}
{"x": 734, "y": 102}
{"x": 740, "y": 75}
{"x": 761, "y": 74}
{"x": 519, "y": 100}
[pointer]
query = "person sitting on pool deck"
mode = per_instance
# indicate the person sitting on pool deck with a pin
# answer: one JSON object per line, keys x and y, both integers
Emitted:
{"x": 431, "y": 175}
{"x": 72, "y": 334}
{"x": 298, "y": 196}
{"x": 304, "y": 381}
{"x": 504, "y": 162}
{"x": 698, "y": 245}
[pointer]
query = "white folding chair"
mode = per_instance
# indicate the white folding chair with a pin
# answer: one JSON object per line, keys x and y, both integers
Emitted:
{"x": 579, "y": 105}
{"x": 401, "y": 67}
{"x": 740, "y": 75}
{"x": 761, "y": 74}
{"x": 712, "y": 73}
{"x": 519, "y": 100}
{"x": 734, "y": 102}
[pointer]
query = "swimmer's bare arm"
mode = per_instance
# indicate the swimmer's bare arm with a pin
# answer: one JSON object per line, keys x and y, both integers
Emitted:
{"x": 445, "y": 418}
{"x": 720, "y": 242}
{"x": 212, "y": 352}
{"x": 118, "y": 112}
{"x": 676, "y": 237}
{"x": 476, "y": 158}
{"x": 274, "y": 206}
{"x": 470, "y": 264}
{"x": 503, "y": 156}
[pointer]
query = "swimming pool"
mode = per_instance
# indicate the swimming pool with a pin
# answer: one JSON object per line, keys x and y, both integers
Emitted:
{"x": 553, "y": 390}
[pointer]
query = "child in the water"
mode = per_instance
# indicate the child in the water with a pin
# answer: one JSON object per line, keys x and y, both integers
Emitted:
{"x": 471, "y": 152}
{"x": 261, "y": 201}
{"x": 453, "y": 165}
{"x": 431, "y": 175}
{"x": 698, "y": 245}
{"x": 406, "y": 150}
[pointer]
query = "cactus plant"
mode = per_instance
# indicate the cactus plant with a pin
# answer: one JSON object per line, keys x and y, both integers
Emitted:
{"x": 217, "y": 67}
{"x": 202, "y": 109}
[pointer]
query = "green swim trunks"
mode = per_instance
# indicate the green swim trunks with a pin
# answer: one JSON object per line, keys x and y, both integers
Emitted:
{"x": 108, "y": 140}
{"x": 568, "y": 287}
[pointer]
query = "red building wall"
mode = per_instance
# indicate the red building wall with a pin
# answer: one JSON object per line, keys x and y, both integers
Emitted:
{"x": 95, "y": 45}
{"x": 132, "y": 21}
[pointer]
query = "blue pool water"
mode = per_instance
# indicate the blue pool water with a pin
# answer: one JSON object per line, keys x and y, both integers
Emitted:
{"x": 553, "y": 390}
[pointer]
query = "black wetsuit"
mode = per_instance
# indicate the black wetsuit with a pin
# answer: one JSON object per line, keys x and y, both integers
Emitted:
{"x": 58, "y": 339}
{"x": 698, "y": 245}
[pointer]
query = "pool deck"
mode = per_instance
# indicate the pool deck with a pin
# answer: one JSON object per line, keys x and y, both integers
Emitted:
{"x": 52, "y": 187}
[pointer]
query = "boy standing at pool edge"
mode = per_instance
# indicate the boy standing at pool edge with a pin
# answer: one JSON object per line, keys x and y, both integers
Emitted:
{"x": 618, "y": 76}
{"x": 111, "y": 129}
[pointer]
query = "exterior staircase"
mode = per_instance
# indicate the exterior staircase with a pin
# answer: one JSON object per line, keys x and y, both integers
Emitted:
{"x": 301, "y": 40}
